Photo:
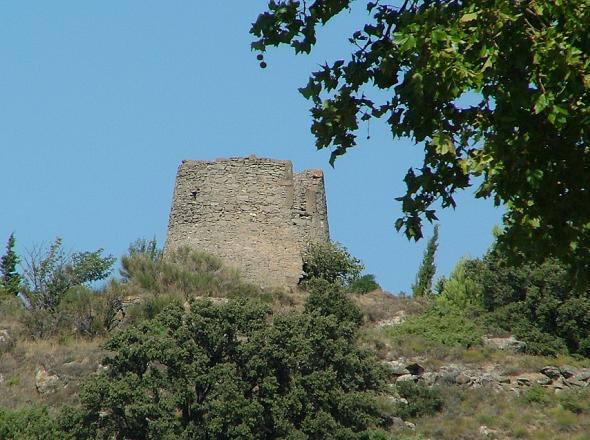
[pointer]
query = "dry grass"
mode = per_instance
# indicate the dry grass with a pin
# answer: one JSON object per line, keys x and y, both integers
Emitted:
{"x": 10, "y": 311}
{"x": 379, "y": 305}
{"x": 504, "y": 414}
{"x": 71, "y": 360}
{"x": 186, "y": 274}
{"x": 390, "y": 344}
{"x": 511, "y": 416}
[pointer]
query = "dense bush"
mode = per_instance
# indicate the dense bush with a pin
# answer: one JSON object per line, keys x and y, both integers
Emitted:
{"x": 460, "y": 289}
{"x": 421, "y": 400}
{"x": 149, "y": 307}
{"x": 91, "y": 313}
{"x": 539, "y": 303}
{"x": 330, "y": 262}
{"x": 81, "y": 312}
{"x": 29, "y": 423}
{"x": 363, "y": 284}
{"x": 329, "y": 299}
{"x": 184, "y": 272}
{"x": 514, "y": 318}
{"x": 226, "y": 371}
{"x": 442, "y": 323}
{"x": 36, "y": 422}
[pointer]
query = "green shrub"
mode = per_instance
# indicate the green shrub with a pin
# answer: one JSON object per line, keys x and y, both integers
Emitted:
{"x": 364, "y": 284}
{"x": 35, "y": 422}
{"x": 184, "y": 272}
{"x": 575, "y": 401}
{"x": 376, "y": 434}
{"x": 442, "y": 323}
{"x": 29, "y": 423}
{"x": 223, "y": 370}
{"x": 81, "y": 312}
{"x": 43, "y": 323}
{"x": 422, "y": 400}
{"x": 513, "y": 318}
{"x": 535, "y": 394}
{"x": 329, "y": 299}
{"x": 330, "y": 262}
{"x": 10, "y": 306}
{"x": 150, "y": 307}
{"x": 538, "y": 303}
{"x": 460, "y": 289}
{"x": 565, "y": 420}
{"x": 90, "y": 313}
{"x": 73, "y": 426}
{"x": 540, "y": 343}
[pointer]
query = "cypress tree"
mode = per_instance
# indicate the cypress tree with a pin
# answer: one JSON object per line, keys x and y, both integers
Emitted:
{"x": 423, "y": 284}
{"x": 10, "y": 279}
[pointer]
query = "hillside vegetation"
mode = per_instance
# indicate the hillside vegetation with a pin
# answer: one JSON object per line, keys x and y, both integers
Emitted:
{"x": 182, "y": 347}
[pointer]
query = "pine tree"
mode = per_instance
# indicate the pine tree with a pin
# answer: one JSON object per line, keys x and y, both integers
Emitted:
{"x": 423, "y": 284}
{"x": 10, "y": 279}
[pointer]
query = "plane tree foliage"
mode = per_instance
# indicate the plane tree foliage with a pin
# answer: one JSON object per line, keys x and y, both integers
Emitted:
{"x": 523, "y": 138}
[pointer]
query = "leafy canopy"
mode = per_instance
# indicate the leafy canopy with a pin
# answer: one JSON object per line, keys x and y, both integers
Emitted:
{"x": 226, "y": 371}
{"x": 330, "y": 262}
{"x": 525, "y": 65}
{"x": 539, "y": 303}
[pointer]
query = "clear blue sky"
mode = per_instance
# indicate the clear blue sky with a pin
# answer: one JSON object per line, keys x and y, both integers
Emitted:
{"x": 100, "y": 101}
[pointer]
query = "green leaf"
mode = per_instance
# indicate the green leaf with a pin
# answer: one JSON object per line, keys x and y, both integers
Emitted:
{"x": 526, "y": 59}
{"x": 541, "y": 103}
{"x": 488, "y": 63}
{"x": 469, "y": 17}
{"x": 438, "y": 35}
{"x": 443, "y": 144}
{"x": 405, "y": 42}
{"x": 399, "y": 223}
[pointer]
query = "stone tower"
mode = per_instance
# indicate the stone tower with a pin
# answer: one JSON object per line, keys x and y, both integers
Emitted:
{"x": 253, "y": 213}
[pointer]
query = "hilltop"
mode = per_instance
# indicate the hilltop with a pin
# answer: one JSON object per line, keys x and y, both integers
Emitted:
{"x": 439, "y": 366}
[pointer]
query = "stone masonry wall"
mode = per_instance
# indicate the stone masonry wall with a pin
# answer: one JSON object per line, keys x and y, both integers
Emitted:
{"x": 253, "y": 213}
